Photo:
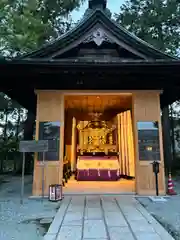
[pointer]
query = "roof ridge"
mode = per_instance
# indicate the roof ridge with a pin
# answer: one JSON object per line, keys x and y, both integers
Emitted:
{"x": 87, "y": 17}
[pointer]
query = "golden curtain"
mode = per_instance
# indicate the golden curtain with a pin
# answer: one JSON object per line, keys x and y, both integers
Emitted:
{"x": 126, "y": 144}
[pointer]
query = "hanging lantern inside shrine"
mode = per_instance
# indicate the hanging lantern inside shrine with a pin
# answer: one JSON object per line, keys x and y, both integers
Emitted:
{"x": 55, "y": 192}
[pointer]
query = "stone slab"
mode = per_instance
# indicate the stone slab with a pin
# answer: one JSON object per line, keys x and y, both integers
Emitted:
{"x": 94, "y": 229}
{"x": 70, "y": 233}
{"x": 141, "y": 226}
{"x": 115, "y": 219}
{"x": 54, "y": 227}
{"x": 46, "y": 220}
{"x": 80, "y": 221}
{"x": 120, "y": 233}
{"x": 93, "y": 213}
{"x": 148, "y": 236}
{"x": 73, "y": 219}
{"x": 50, "y": 237}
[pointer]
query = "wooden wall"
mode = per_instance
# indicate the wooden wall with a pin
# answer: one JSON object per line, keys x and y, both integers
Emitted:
{"x": 146, "y": 107}
{"x": 50, "y": 107}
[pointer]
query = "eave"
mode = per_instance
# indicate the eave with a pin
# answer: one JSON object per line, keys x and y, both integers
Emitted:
{"x": 156, "y": 68}
{"x": 97, "y": 17}
{"x": 137, "y": 75}
{"x": 89, "y": 63}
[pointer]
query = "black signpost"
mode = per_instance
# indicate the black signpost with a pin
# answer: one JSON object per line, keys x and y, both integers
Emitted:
{"x": 33, "y": 146}
{"x": 155, "y": 165}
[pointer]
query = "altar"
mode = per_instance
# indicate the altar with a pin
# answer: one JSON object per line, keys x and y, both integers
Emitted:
{"x": 97, "y": 156}
{"x": 98, "y": 168}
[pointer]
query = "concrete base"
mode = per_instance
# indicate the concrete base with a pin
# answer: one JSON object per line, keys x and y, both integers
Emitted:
{"x": 97, "y": 194}
{"x": 158, "y": 199}
{"x": 152, "y": 198}
{"x": 37, "y": 197}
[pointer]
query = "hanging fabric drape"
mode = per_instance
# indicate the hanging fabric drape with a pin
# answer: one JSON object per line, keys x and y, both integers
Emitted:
{"x": 126, "y": 144}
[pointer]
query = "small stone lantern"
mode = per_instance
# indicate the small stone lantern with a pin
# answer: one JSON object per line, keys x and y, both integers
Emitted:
{"x": 55, "y": 192}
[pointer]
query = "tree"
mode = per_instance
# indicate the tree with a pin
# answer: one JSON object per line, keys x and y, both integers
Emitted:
{"x": 157, "y": 23}
{"x": 12, "y": 117}
{"x": 154, "y": 21}
{"x": 26, "y": 25}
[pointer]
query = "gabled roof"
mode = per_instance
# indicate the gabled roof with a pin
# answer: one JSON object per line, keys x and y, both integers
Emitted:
{"x": 97, "y": 27}
{"x": 96, "y": 20}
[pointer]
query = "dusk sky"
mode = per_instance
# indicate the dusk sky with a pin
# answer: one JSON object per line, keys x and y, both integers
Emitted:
{"x": 113, "y": 5}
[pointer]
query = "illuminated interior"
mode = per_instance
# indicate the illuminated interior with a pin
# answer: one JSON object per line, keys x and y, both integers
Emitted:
{"x": 98, "y": 143}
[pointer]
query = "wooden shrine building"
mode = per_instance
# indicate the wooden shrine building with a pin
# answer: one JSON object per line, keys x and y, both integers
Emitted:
{"x": 97, "y": 93}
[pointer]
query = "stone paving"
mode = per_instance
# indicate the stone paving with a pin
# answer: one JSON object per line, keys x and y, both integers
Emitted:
{"x": 104, "y": 218}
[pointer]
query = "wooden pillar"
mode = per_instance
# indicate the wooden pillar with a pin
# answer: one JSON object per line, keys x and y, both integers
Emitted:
{"x": 166, "y": 138}
{"x": 50, "y": 108}
{"x": 146, "y": 108}
{"x": 61, "y": 147}
{"x": 73, "y": 144}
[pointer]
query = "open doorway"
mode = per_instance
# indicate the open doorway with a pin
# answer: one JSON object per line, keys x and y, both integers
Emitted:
{"x": 98, "y": 144}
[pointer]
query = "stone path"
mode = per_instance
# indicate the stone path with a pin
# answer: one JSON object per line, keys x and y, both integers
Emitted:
{"x": 104, "y": 218}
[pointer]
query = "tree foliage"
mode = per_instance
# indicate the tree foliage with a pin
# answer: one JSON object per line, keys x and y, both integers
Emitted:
{"x": 157, "y": 23}
{"x": 12, "y": 118}
{"x": 154, "y": 21}
{"x": 27, "y": 24}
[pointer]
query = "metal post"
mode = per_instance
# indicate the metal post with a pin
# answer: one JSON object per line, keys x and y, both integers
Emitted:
{"x": 157, "y": 185}
{"x": 22, "y": 179}
{"x": 43, "y": 166}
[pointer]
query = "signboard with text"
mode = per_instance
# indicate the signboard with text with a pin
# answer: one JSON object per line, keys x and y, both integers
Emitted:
{"x": 33, "y": 146}
{"x": 50, "y": 131}
{"x": 148, "y": 141}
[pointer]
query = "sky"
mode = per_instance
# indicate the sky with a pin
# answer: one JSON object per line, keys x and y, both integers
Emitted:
{"x": 113, "y": 5}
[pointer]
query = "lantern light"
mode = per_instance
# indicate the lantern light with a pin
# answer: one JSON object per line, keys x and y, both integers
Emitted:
{"x": 55, "y": 192}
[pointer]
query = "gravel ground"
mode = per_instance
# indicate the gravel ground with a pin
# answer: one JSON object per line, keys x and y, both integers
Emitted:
{"x": 167, "y": 213}
{"x": 29, "y": 221}
{"x": 25, "y": 221}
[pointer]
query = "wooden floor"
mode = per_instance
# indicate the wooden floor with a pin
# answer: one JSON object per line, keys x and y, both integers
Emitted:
{"x": 87, "y": 187}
